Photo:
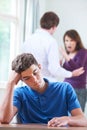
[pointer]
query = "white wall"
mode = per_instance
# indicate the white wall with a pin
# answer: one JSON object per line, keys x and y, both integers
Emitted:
{"x": 73, "y": 15}
{"x": 42, "y": 4}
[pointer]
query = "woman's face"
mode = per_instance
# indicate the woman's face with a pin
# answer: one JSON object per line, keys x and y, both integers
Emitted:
{"x": 70, "y": 44}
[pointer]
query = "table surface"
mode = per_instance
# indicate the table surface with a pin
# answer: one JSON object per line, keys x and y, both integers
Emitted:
{"x": 36, "y": 127}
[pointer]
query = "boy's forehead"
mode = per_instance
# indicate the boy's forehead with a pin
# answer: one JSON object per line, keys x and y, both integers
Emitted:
{"x": 30, "y": 70}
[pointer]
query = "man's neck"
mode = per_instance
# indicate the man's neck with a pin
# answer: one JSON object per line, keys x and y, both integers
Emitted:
{"x": 50, "y": 31}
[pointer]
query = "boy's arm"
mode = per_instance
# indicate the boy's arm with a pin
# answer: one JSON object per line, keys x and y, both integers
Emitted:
{"x": 76, "y": 114}
{"x": 77, "y": 119}
{"x": 7, "y": 110}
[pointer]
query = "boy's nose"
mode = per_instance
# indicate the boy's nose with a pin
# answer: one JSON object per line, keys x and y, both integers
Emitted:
{"x": 34, "y": 78}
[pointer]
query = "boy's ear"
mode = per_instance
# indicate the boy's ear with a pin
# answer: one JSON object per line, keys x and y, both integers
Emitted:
{"x": 39, "y": 65}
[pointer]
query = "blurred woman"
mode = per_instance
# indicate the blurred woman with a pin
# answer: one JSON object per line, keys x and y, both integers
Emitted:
{"x": 75, "y": 55}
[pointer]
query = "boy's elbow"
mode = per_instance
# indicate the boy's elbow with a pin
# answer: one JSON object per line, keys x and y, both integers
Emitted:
{"x": 4, "y": 120}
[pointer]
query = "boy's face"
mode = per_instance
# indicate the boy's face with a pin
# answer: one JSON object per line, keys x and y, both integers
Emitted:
{"x": 32, "y": 77}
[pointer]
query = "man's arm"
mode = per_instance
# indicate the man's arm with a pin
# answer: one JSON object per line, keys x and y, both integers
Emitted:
{"x": 55, "y": 68}
{"x": 7, "y": 110}
{"x": 78, "y": 72}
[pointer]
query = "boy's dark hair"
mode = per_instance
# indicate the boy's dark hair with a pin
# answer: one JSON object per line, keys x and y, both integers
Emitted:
{"x": 48, "y": 20}
{"x": 23, "y": 62}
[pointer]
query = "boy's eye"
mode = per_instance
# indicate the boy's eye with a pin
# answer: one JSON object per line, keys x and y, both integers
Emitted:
{"x": 35, "y": 72}
{"x": 27, "y": 78}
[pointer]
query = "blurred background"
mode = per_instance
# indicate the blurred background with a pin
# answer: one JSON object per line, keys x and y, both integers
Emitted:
{"x": 20, "y": 18}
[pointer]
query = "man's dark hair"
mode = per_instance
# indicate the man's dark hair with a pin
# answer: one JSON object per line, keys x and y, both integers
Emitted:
{"x": 48, "y": 20}
{"x": 23, "y": 62}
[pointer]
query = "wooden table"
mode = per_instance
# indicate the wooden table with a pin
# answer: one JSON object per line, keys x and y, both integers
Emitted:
{"x": 36, "y": 127}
